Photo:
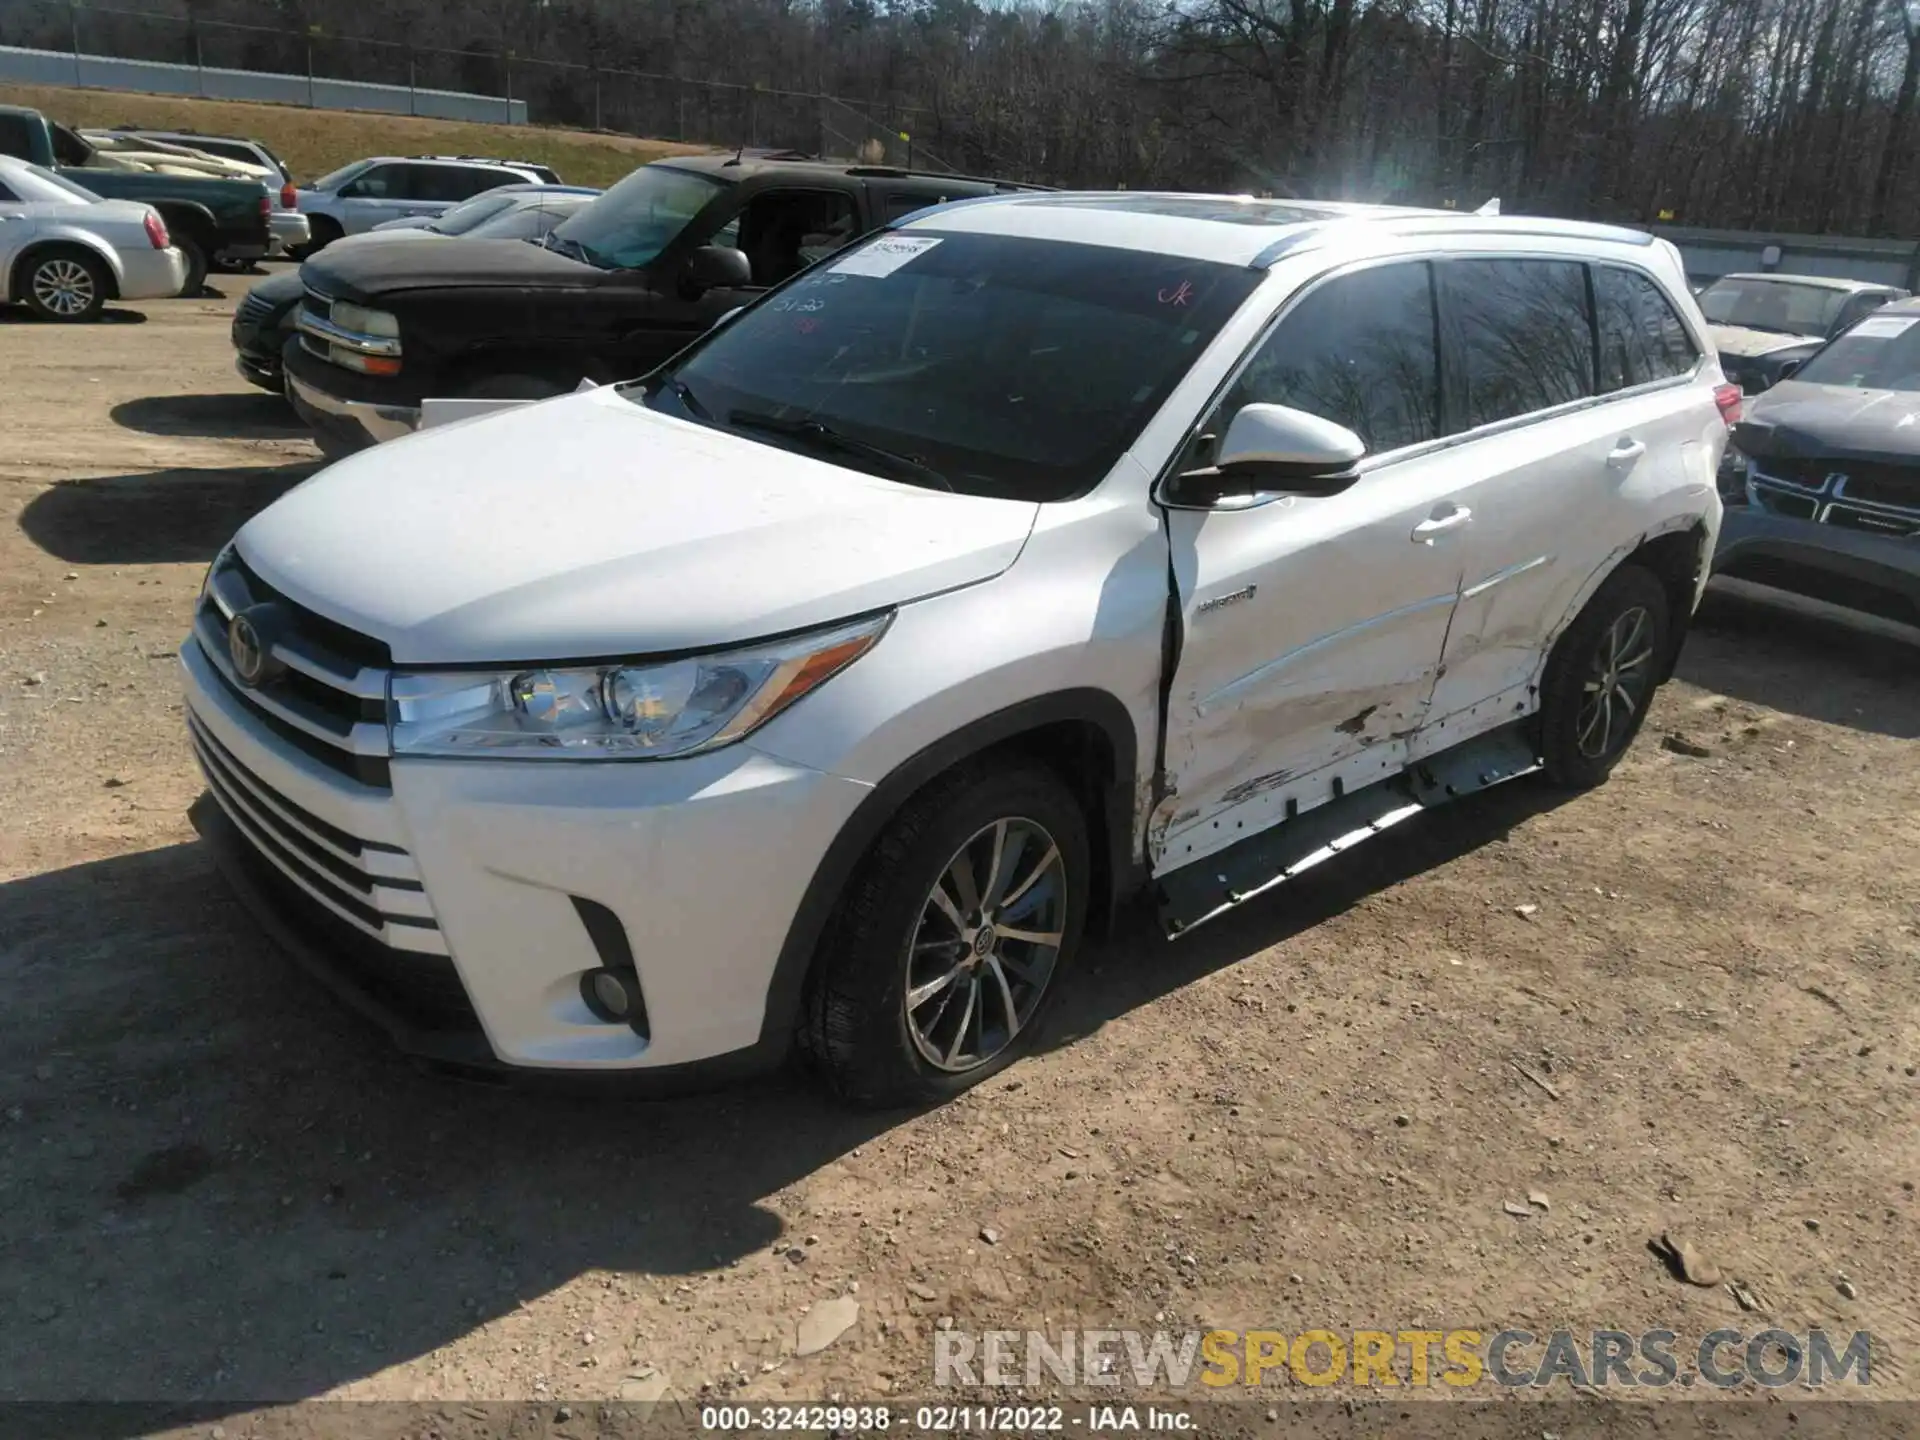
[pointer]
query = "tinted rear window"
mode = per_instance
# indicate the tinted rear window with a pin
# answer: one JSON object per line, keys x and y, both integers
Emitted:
{"x": 1518, "y": 338}
{"x": 1642, "y": 337}
{"x": 1882, "y": 352}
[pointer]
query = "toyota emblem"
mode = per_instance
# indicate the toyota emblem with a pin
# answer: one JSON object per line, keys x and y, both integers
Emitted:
{"x": 250, "y": 637}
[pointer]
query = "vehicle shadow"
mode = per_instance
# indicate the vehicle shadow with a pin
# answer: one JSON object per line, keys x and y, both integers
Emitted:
{"x": 110, "y": 315}
{"x": 1806, "y": 659}
{"x": 227, "y": 1191}
{"x": 153, "y": 517}
{"x": 248, "y": 415}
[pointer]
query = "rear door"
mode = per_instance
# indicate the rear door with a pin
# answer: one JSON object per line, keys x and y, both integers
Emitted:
{"x": 16, "y": 228}
{"x": 1569, "y": 395}
{"x": 377, "y": 194}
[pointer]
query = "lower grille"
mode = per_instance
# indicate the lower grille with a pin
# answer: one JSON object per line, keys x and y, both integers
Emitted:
{"x": 372, "y": 887}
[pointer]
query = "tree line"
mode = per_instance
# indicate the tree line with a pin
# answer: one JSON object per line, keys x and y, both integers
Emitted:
{"x": 1787, "y": 115}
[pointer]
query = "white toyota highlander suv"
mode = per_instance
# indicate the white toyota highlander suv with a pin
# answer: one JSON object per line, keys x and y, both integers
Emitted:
{"x": 825, "y": 688}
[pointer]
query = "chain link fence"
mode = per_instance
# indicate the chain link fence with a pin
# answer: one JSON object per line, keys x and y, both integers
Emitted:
{"x": 543, "y": 92}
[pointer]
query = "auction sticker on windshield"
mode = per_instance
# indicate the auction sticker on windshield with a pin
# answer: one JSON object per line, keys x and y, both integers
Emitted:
{"x": 1885, "y": 327}
{"x": 886, "y": 255}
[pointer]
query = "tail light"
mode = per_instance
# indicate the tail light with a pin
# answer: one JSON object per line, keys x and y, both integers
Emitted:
{"x": 157, "y": 231}
{"x": 289, "y": 197}
{"x": 1727, "y": 397}
{"x": 266, "y": 207}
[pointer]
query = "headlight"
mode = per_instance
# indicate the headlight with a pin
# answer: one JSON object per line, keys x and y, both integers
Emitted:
{"x": 618, "y": 712}
{"x": 368, "y": 322}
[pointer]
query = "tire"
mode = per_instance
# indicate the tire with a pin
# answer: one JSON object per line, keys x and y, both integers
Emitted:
{"x": 1623, "y": 634}
{"x": 195, "y": 255}
{"x": 321, "y": 232}
{"x": 858, "y": 1030}
{"x": 65, "y": 284}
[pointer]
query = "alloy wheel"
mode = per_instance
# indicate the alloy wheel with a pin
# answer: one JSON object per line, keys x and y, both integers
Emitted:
{"x": 1618, "y": 682}
{"x": 986, "y": 945}
{"x": 63, "y": 286}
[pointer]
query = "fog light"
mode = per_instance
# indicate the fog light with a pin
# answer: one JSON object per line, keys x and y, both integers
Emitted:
{"x": 610, "y": 995}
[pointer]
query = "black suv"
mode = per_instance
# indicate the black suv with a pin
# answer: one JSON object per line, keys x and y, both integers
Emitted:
{"x": 607, "y": 295}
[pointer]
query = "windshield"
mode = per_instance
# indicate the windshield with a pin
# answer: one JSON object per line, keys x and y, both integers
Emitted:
{"x": 529, "y": 222}
{"x": 1882, "y": 352}
{"x": 53, "y": 188}
{"x": 1773, "y": 305}
{"x": 1003, "y": 365}
{"x": 463, "y": 217}
{"x": 334, "y": 179}
{"x": 638, "y": 218}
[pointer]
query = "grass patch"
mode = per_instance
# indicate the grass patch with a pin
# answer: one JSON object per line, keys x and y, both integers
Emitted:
{"x": 312, "y": 142}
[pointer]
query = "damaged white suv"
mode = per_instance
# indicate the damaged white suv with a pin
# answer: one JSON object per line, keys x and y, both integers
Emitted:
{"x": 829, "y": 685}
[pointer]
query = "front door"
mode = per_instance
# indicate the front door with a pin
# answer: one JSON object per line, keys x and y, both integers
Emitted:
{"x": 373, "y": 197}
{"x": 1313, "y": 628}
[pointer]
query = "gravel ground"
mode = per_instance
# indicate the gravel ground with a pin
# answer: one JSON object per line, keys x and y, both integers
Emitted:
{"x": 1685, "y": 1003}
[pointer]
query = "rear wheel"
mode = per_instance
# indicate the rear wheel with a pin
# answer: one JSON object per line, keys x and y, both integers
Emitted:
{"x": 322, "y": 231}
{"x": 952, "y": 939}
{"x": 195, "y": 254}
{"x": 1601, "y": 679}
{"x": 67, "y": 284}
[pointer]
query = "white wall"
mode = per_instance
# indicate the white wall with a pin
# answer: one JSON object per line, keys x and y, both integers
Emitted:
{"x": 100, "y": 72}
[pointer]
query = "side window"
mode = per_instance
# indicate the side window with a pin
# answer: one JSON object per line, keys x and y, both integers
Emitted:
{"x": 1857, "y": 309}
{"x": 7, "y": 197}
{"x": 783, "y": 231}
{"x": 16, "y": 136}
{"x": 1517, "y": 338}
{"x": 1359, "y": 351}
{"x": 450, "y": 184}
{"x": 1641, "y": 337}
{"x": 382, "y": 182}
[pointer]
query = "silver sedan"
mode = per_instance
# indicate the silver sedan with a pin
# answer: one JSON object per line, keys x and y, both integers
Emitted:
{"x": 65, "y": 252}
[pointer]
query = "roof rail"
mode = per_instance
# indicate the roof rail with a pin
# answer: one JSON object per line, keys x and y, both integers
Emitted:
{"x": 1311, "y": 237}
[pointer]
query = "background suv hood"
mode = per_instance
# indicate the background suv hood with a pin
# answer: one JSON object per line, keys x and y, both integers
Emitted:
{"x": 590, "y": 526}
{"x": 1795, "y": 418}
{"x": 367, "y": 271}
{"x": 1749, "y": 344}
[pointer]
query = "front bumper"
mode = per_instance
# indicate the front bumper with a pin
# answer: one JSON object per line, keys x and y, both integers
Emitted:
{"x": 446, "y": 907}
{"x": 357, "y": 424}
{"x": 287, "y": 230}
{"x": 152, "y": 274}
{"x": 1876, "y": 574}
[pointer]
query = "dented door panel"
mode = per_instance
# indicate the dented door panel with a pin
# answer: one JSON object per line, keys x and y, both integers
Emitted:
{"x": 1312, "y": 630}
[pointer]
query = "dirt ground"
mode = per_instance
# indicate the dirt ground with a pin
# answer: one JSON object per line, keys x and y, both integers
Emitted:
{"x": 1688, "y": 1001}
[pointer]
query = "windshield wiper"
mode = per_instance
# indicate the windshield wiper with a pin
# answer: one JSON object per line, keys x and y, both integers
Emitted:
{"x": 572, "y": 249}
{"x": 684, "y": 394}
{"x": 824, "y": 437}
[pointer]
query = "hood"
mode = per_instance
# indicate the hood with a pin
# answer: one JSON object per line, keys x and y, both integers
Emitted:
{"x": 1748, "y": 344}
{"x": 1795, "y": 418}
{"x": 589, "y": 526}
{"x": 367, "y": 271}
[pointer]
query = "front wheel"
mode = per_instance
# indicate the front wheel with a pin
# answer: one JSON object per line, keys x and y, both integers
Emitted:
{"x": 950, "y": 943}
{"x": 1601, "y": 679}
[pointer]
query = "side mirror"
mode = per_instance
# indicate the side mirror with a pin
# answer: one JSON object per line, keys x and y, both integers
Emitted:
{"x": 1787, "y": 369}
{"x": 1273, "y": 450}
{"x": 717, "y": 267}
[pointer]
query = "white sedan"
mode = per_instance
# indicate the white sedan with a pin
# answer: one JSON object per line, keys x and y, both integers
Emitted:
{"x": 65, "y": 252}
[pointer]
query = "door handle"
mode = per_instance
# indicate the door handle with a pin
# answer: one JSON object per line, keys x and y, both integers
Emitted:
{"x": 1623, "y": 455}
{"x": 1424, "y": 532}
